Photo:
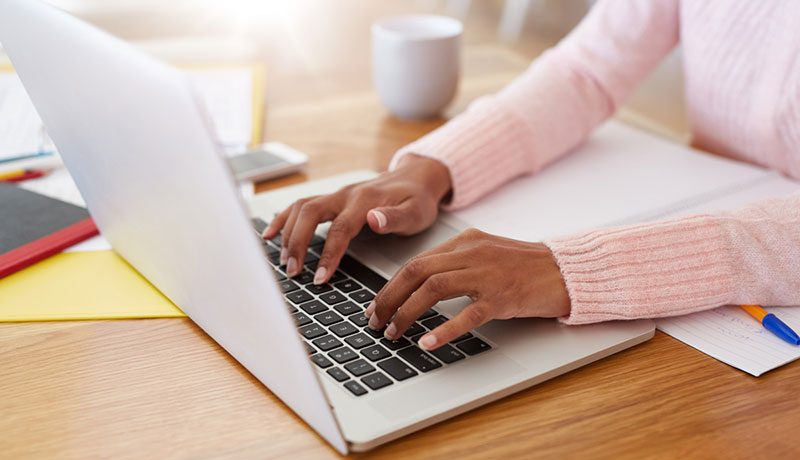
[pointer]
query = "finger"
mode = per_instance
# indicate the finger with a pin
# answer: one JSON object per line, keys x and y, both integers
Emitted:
{"x": 408, "y": 279}
{"x": 474, "y": 315}
{"x": 310, "y": 214}
{"x": 344, "y": 227}
{"x": 286, "y": 233}
{"x": 276, "y": 225}
{"x": 440, "y": 286}
{"x": 403, "y": 219}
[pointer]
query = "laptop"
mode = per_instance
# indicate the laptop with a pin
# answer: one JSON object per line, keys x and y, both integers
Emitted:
{"x": 125, "y": 123}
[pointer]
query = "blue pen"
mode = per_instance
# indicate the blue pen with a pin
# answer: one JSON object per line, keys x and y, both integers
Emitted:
{"x": 772, "y": 324}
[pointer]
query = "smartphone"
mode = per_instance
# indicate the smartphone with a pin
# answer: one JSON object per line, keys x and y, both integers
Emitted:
{"x": 267, "y": 161}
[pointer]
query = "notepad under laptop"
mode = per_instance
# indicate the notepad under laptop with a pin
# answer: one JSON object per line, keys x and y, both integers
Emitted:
{"x": 34, "y": 227}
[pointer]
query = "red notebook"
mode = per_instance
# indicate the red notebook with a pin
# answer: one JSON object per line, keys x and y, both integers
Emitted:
{"x": 34, "y": 227}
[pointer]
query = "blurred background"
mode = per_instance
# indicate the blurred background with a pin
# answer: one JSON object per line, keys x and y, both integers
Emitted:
{"x": 318, "y": 52}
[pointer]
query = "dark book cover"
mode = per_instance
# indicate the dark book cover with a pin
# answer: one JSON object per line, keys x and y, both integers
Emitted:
{"x": 34, "y": 227}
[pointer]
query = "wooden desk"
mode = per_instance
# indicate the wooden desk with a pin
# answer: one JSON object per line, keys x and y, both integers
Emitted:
{"x": 162, "y": 388}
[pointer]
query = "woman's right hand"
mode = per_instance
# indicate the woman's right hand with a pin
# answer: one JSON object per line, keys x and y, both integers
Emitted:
{"x": 402, "y": 201}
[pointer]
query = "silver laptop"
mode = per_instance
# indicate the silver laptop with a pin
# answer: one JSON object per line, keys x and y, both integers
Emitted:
{"x": 125, "y": 124}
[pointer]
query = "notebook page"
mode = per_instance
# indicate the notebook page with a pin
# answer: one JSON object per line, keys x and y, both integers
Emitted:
{"x": 21, "y": 129}
{"x": 734, "y": 337}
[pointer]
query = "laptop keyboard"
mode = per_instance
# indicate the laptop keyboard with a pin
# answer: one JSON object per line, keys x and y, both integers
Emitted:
{"x": 330, "y": 319}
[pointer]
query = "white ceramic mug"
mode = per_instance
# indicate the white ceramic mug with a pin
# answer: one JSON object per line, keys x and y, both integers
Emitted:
{"x": 415, "y": 63}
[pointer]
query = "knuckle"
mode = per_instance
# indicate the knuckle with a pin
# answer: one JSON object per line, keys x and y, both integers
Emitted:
{"x": 437, "y": 284}
{"x": 341, "y": 226}
{"x": 412, "y": 269}
{"x": 363, "y": 191}
{"x": 476, "y": 315}
{"x": 310, "y": 207}
{"x": 472, "y": 233}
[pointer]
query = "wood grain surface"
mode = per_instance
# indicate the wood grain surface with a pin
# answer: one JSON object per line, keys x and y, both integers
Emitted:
{"x": 163, "y": 389}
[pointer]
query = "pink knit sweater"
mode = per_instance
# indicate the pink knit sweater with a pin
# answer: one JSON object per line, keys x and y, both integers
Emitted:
{"x": 742, "y": 74}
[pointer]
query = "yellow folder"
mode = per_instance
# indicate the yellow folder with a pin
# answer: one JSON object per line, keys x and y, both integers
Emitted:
{"x": 81, "y": 285}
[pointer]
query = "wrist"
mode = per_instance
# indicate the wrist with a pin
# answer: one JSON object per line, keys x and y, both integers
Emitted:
{"x": 431, "y": 174}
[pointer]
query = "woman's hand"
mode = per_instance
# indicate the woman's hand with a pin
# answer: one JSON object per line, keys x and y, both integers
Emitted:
{"x": 403, "y": 201}
{"x": 504, "y": 278}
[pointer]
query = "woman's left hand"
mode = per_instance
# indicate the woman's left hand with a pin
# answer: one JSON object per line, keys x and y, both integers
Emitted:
{"x": 505, "y": 278}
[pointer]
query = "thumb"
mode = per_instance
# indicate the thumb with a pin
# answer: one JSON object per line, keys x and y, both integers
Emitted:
{"x": 402, "y": 219}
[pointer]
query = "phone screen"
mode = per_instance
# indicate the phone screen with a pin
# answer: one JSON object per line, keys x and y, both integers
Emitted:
{"x": 254, "y": 161}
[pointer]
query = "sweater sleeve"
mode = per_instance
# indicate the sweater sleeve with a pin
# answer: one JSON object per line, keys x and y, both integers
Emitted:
{"x": 747, "y": 256}
{"x": 553, "y": 106}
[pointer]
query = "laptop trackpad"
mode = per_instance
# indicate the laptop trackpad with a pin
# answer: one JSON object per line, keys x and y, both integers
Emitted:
{"x": 484, "y": 375}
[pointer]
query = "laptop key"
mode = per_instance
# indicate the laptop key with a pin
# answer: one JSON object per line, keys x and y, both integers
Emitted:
{"x": 301, "y": 319}
{"x": 364, "y": 275}
{"x": 333, "y": 297}
{"x": 318, "y": 288}
{"x": 288, "y": 286}
{"x": 338, "y": 276}
{"x": 434, "y": 322}
{"x": 359, "y": 319}
{"x": 312, "y": 331}
{"x": 359, "y": 367}
{"x": 315, "y": 240}
{"x": 279, "y": 275}
{"x": 309, "y": 348}
{"x": 347, "y": 286}
{"x": 447, "y": 354}
{"x": 259, "y": 224}
{"x": 327, "y": 343}
{"x": 473, "y": 346}
{"x": 304, "y": 278}
{"x": 314, "y": 307}
{"x": 397, "y": 369}
{"x": 299, "y": 296}
{"x": 414, "y": 329}
{"x": 343, "y": 329}
{"x": 377, "y": 334}
{"x": 416, "y": 338}
{"x": 461, "y": 337}
{"x": 328, "y": 318}
{"x": 321, "y": 361}
{"x": 362, "y": 296}
{"x": 347, "y": 308}
{"x": 310, "y": 258}
{"x": 376, "y": 381}
{"x": 343, "y": 355}
{"x": 427, "y": 315}
{"x": 355, "y": 388}
{"x": 419, "y": 359}
{"x": 375, "y": 353}
{"x": 359, "y": 340}
{"x": 395, "y": 344}
{"x": 338, "y": 374}
{"x": 274, "y": 259}
{"x": 312, "y": 265}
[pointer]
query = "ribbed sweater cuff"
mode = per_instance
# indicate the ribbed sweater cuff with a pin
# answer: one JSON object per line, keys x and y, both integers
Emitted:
{"x": 482, "y": 148}
{"x": 644, "y": 271}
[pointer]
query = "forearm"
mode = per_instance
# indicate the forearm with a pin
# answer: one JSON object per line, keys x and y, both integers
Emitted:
{"x": 746, "y": 256}
{"x": 555, "y": 104}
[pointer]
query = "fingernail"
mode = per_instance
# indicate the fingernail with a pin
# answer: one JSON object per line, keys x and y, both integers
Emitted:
{"x": 291, "y": 267}
{"x": 390, "y": 332}
{"x": 284, "y": 255}
{"x": 380, "y": 217}
{"x": 427, "y": 342}
{"x": 319, "y": 277}
{"x": 370, "y": 309}
{"x": 373, "y": 322}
